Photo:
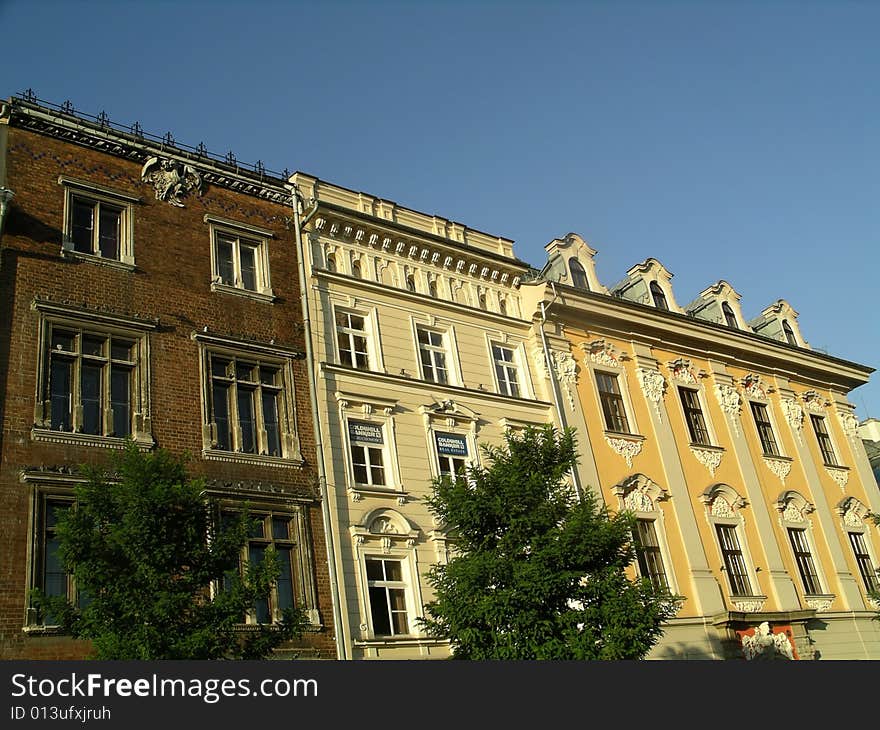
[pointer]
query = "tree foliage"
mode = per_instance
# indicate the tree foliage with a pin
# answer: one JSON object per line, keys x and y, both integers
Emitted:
{"x": 145, "y": 550}
{"x": 538, "y": 573}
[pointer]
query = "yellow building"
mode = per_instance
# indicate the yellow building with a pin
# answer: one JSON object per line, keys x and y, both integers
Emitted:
{"x": 422, "y": 354}
{"x": 735, "y": 445}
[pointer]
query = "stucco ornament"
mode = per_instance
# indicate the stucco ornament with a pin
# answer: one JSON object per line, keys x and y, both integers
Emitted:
{"x": 683, "y": 371}
{"x": 653, "y": 385}
{"x": 850, "y": 425}
{"x": 721, "y": 508}
{"x": 813, "y": 401}
{"x": 753, "y": 387}
{"x": 710, "y": 458}
{"x": 780, "y": 467}
{"x": 764, "y": 644}
{"x": 565, "y": 367}
{"x": 638, "y": 501}
{"x": 819, "y": 604}
{"x": 601, "y": 353}
{"x": 626, "y": 448}
{"x": 794, "y": 414}
{"x": 171, "y": 179}
{"x": 841, "y": 476}
{"x": 730, "y": 401}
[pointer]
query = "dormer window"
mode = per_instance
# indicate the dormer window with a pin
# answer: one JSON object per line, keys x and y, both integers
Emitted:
{"x": 578, "y": 275}
{"x": 729, "y": 316}
{"x": 789, "y": 333}
{"x": 658, "y": 296}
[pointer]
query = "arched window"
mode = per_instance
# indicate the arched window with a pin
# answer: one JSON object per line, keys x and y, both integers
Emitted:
{"x": 789, "y": 333}
{"x": 578, "y": 275}
{"x": 658, "y": 296}
{"x": 729, "y": 316}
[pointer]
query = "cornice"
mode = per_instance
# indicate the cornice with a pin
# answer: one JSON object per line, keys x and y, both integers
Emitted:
{"x": 700, "y": 338}
{"x": 76, "y": 130}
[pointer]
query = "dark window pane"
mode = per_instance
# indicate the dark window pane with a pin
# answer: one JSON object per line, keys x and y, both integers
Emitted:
{"x": 268, "y": 376}
{"x": 379, "y": 612}
{"x": 244, "y": 371}
{"x": 92, "y": 345}
{"x": 270, "y": 423}
{"x": 121, "y": 350}
{"x": 109, "y": 232}
{"x": 225, "y": 264}
{"x": 658, "y": 296}
{"x": 59, "y": 394}
{"x": 246, "y": 420}
{"x": 374, "y": 570}
{"x": 90, "y": 384}
{"x": 120, "y": 400}
{"x": 219, "y": 368}
{"x": 393, "y": 570}
{"x": 62, "y": 340}
{"x": 221, "y": 415}
{"x": 82, "y": 228}
{"x": 248, "y": 267}
{"x": 261, "y": 605}
{"x": 578, "y": 274}
{"x": 284, "y": 586}
{"x": 280, "y": 528}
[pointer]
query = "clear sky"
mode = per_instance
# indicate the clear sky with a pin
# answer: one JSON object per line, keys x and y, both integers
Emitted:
{"x": 730, "y": 140}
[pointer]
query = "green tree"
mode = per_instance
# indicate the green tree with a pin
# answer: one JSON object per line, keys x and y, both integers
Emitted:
{"x": 144, "y": 548}
{"x": 537, "y": 573}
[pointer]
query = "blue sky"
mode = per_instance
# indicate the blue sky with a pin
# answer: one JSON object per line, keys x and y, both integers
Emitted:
{"x": 729, "y": 140}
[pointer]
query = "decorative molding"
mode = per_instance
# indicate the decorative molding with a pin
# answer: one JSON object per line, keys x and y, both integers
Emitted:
{"x": 171, "y": 179}
{"x": 601, "y": 352}
{"x": 820, "y": 604}
{"x": 851, "y": 517}
{"x": 794, "y": 414}
{"x": 780, "y": 467}
{"x": 730, "y": 401}
{"x": 753, "y": 387}
{"x": 814, "y": 401}
{"x": 627, "y": 448}
{"x": 750, "y": 606}
{"x": 638, "y": 501}
{"x": 722, "y": 508}
{"x": 710, "y": 458}
{"x": 565, "y": 367}
{"x": 653, "y": 385}
{"x": 850, "y": 425}
{"x": 841, "y": 476}
{"x": 683, "y": 371}
{"x": 765, "y": 644}
{"x": 793, "y": 513}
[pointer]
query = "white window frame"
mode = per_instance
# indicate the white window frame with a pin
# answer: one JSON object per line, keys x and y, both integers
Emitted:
{"x": 623, "y": 386}
{"x": 835, "y": 449}
{"x": 768, "y": 410}
{"x": 378, "y": 413}
{"x": 384, "y": 534}
{"x": 704, "y": 410}
{"x": 237, "y": 231}
{"x": 518, "y": 361}
{"x": 99, "y": 195}
{"x": 280, "y": 359}
{"x": 793, "y": 510}
{"x": 450, "y": 347}
{"x": 370, "y": 331}
{"x": 855, "y": 518}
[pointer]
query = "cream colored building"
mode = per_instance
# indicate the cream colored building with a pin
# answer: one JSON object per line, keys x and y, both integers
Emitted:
{"x": 422, "y": 355}
{"x": 735, "y": 445}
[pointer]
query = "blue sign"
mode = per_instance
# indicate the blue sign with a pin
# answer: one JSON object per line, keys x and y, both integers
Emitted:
{"x": 451, "y": 444}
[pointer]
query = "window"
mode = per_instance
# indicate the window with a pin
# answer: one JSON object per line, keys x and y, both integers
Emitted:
{"x": 410, "y": 283}
{"x": 825, "y": 445}
{"x": 452, "y": 453}
{"x": 356, "y": 269}
{"x": 432, "y": 288}
{"x": 734, "y": 563}
{"x": 658, "y": 296}
{"x": 765, "y": 429}
{"x": 612, "y": 402}
{"x": 432, "y": 354}
{"x": 789, "y": 333}
{"x": 240, "y": 258}
{"x": 693, "y": 415}
{"x": 804, "y": 559}
{"x": 863, "y": 560}
{"x": 97, "y": 222}
{"x": 89, "y": 379}
{"x": 246, "y": 405}
{"x": 648, "y": 554}
{"x": 351, "y": 338}
{"x": 387, "y": 591}
{"x": 331, "y": 262}
{"x": 578, "y": 274}
{"x": 729, "y": 316}
{"x": 367, "y": 444}
{"x": 505, "y": 370}
{"x": 275, "y": 530}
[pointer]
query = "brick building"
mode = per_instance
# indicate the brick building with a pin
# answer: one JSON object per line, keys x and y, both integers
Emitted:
{"x": 148, "y": 291}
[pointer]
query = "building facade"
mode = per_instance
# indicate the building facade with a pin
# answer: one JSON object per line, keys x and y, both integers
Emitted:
{"x": 736, "y": 447}
{"x": 151, "y": 293}
{"x": 423, "y": 356}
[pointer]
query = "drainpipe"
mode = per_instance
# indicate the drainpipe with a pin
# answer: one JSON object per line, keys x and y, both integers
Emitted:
{"x": 298, "y": 223}
{"x": 548, "y": 361}
{"x": 6, "y": 196}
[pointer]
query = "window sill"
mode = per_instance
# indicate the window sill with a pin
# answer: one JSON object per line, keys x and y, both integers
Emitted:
{"x": 401, "y": 640}
{"x": 260, "y": 459}
{"x": 358, "y": 492}
{"x": 41, "y": 630}
{"x": 838, "y": 467}
{"x": 265, "y": 297}
{"x": 144, "y": 443}
{"x": 624, "y": 435}
{"x": 778, "y": 457}
{"x": 70, "y": 253}
{"x": 707, "y": 447}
